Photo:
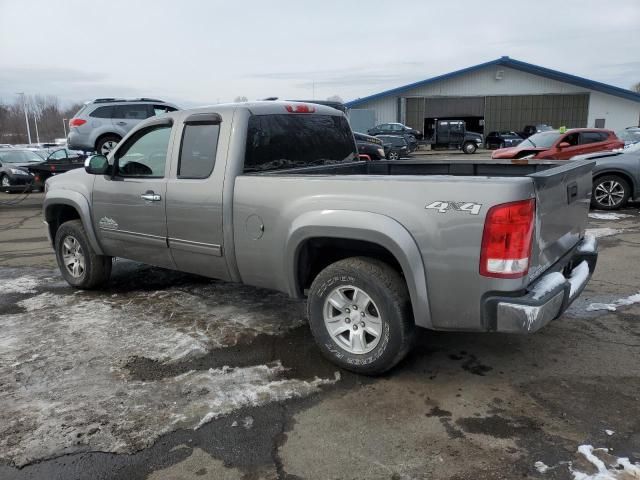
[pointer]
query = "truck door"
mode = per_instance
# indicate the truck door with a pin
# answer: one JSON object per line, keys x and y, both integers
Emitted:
{"x": 129, "y": 211}
{"x": 194, "y": 196}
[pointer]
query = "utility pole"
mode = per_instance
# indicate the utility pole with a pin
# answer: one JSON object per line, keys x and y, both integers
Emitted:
{"x": 35, "y": 121}
{"x": 26, "y": 117}
{"x": 64, "y": 125}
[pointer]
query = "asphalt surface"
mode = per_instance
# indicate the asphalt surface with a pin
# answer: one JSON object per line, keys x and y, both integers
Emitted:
{"x": 94, "y": 386}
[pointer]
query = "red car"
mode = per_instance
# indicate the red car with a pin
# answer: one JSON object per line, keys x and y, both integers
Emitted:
{"x": 562, "y": 145}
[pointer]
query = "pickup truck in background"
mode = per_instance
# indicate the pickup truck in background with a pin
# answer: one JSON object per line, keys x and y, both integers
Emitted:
{"x": 452, "y": 134}
{"x": 272, "y": 194}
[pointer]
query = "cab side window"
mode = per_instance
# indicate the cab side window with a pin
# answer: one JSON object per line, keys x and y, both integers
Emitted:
{"x": 571, "y": 139}
{"x": 198, "y": 150}
{"x": 145, "y": 154}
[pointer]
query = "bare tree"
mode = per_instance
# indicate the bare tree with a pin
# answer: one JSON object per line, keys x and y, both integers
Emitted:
{"x": 240, "y": 99}
{"x": 636, "y": 87}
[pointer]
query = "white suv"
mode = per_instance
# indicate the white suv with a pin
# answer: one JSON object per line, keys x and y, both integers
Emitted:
{"x": 102, "y": 123}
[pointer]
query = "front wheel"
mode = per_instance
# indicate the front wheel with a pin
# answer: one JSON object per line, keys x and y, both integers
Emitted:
{"x": 393, "y": 155}
{"x": 80, "y": 266}
{"x": 5, "y": 183}
{"x": 360, "y": 315}
{"x": 469, "y": 148}
{"x": 610, "y": 192}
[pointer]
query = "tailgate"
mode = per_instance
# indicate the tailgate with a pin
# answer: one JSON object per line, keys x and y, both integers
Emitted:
{"x": 563, "y": 195}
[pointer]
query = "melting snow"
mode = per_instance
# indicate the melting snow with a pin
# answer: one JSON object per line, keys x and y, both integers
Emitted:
{"x": 541, "y": 467}
{"x": 609, "y": 432}
{"x": 65, "y": 387}
{"x": 612, "y": 307}
{"x": 609, "y": 216}
{"x": 547, "y": 284}
{"x": 602, "y": 232}
{"x": 579, "y": 276}
{"x": 588, "y": 244}
{"x": 25, "y": 284}
{"x": 607, "y": 467}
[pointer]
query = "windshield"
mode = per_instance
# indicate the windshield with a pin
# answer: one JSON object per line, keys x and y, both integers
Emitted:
{"x": 19, "y": 156}
{"x": 542, "y": 139}
{"x": 276, "y": 142}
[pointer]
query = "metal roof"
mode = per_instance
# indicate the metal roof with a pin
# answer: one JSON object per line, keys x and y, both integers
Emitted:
{"x": 516, "y": 65}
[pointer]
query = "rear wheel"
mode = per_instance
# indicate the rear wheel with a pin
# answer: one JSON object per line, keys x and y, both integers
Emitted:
{"x": 360, "y": 315}
{"x": 393, "y": 155}
{"x": 469, "y": 148}
{"x": 610, "y": 192}
{"x": 80, "y": 266}
{"x": 107, "y": 143}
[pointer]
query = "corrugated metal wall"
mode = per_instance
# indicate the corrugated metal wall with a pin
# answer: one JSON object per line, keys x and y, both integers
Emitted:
{"x": 515, "y": 111}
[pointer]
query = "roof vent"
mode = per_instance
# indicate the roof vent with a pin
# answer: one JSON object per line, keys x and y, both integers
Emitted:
{"x": 499, "y": 74}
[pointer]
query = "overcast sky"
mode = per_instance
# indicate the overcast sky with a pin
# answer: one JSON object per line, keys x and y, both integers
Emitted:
{"x": 198, "y": 52}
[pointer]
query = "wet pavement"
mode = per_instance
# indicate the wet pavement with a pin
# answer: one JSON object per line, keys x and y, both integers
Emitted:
{"x": 168, "y": 376}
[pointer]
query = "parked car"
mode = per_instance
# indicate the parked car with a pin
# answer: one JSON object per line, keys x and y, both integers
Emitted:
{"x": 529, "y": 130}
{"x": 394, "y": 129}
{"x": 59, "y": 161}
{"x": 504, "y": 252}
{"x": 14, "y": 169}
{"x": 562, "y": 145}
{"x": 616, "y": 177}
{"x": 629, "y": 136}
{"x": 395, "y": 146}
{"x": 502, "y": 139}
{"x": 100, "y": 124}
{"x": 369, "y": 145}
{"x": 452, "y": 135}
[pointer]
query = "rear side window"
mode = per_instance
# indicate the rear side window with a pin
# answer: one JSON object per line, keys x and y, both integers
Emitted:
{"x": 297, "y": 140}
{"x": 593, "y": 137}
{"x": 160, "y": 109}
{"x": 102, "y": 112}
{"x": 132, "y": 112}
{"x": 198, "y": 150}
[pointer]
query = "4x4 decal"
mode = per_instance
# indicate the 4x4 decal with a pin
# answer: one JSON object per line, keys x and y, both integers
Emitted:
{"x": 445, "y": 206}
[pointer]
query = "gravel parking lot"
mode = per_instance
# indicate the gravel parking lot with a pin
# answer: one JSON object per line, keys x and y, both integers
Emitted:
{"x": 166, "y": 375}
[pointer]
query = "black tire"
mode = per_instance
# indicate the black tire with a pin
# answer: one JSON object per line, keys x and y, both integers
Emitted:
{"x": 97, "y": 268}
{"x": 105, "y": 140}
{"x": 393, "y": 155}
{"x": 4, "y": 188}
{"x": 387, "y": 290}
{"x": 610, "y": 192}
{"x": 469, "y": 148}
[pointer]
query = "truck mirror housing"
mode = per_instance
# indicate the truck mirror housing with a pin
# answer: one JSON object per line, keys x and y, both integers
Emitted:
{"x": 97, "y": 165}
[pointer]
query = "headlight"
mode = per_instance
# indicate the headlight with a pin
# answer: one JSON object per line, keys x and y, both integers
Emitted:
{"x": 17, "y": 171}
{"x": 381, "y": 152}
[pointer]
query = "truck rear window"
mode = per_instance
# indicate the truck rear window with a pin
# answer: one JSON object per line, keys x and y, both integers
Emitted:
{"x": 297, "y": 140}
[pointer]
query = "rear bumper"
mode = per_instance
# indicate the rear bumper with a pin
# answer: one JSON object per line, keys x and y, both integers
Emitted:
{"x": 79, "y": 141}
{"x": 545, "y": 299}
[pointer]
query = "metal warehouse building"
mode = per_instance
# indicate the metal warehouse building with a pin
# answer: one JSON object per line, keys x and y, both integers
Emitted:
{"x": 504, "y": 94}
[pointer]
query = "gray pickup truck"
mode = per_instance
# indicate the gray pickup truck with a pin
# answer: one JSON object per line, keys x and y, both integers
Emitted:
{"x": 273, "y": 194}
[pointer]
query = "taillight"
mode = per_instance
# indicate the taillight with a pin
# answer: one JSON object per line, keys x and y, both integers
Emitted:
{"x": 299, "y": 108}
{"x": 76, "y": 122}
{"x": 506, "y": 241}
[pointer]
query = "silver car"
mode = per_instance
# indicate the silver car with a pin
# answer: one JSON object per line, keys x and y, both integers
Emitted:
{"x": 100, "y": 124}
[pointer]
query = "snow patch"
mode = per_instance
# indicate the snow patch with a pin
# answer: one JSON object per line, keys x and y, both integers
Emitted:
{"x": 613, "y": 469}
{"x": 547, "y": 284}
{"x": 588, "y": 244}
{"x": 26, "y": 284}
{"x": 541, "y": 467}
{"x": 602, "y": 232}
{"x": 609, "y": 216}
{"x": 609, "y": 432}
{"x": 579, "y": 276}
{"x": 612, "y": 307}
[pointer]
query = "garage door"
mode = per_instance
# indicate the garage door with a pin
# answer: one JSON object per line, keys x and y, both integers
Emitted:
{"x": 448, "y": 107}
{"x": 514, "y": 112}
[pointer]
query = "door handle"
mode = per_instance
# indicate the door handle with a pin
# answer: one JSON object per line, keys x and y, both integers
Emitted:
{"x": 151, "y": 196}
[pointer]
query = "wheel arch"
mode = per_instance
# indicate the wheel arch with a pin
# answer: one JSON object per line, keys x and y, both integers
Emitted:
{"x": 317, "y": 239}
{"x": 71, "y": 207}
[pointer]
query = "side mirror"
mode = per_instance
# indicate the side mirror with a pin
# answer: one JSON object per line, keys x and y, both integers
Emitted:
{"x": 564, "y": 145}
{"x": 97, "y": 165}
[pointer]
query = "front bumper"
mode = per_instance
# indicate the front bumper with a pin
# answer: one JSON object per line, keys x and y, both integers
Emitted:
{"x": 19, "y": 183}
{"x": 547, "y": 298}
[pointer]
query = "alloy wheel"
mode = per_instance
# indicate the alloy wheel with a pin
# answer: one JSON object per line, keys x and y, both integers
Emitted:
{"x": 73, "y": 257}
{"x": 352, "y": 319}
{"x": 609, "y": 193}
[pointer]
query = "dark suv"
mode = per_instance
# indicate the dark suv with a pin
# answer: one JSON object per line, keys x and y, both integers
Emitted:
{"x": 369, "y": 145}
{"x": 395, "y": 146}
{"x": 502, "y": 139}
{"x": 394, "y": 129}
{"x": 101, "y": 123}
